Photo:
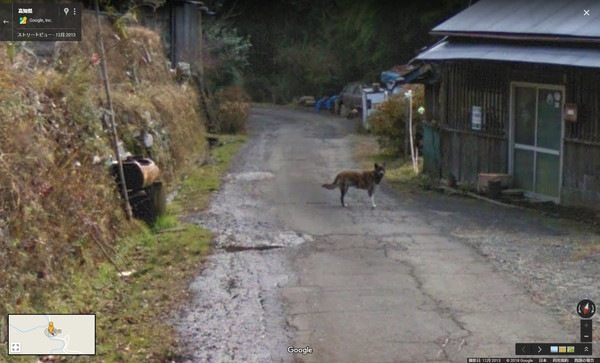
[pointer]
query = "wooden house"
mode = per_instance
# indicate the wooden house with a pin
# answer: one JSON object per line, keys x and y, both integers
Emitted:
{"x": 513, "y": 87}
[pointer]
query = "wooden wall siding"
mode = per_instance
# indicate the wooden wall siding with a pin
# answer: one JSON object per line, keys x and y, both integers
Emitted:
{"x": 469, "y": 84}
{"x": 583, "y": 89}
{"x": 537, "y": 73}
{"x": 179, "y": 27}
{"x": 187, "y": 32}
{"x": 160, "y": 22}
{"x": 432, "y": 103}
{"x": 581, "y": 158}
{"x": 581, "y": 174}
{"x": 466, "y": 154}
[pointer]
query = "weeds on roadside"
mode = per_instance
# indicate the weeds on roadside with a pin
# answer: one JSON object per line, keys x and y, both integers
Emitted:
{"x": 233, "y": 109}
{"x": 399, "y": 173}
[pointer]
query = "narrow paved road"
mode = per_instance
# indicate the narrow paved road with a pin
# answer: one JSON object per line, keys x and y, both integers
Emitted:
{"x": 355, "y": 284}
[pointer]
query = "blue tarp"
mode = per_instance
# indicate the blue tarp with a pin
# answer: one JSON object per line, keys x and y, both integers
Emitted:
{"x": 389, "y": 77}
{"x": 392, "y": 80}
{"x": 326, "y": 103}
{"x": 320, "y": 103}
{"x": 331, "y": 102}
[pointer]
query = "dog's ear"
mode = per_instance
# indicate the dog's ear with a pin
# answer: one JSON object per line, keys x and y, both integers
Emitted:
{"x": 376, "y": 166}
{"x": 383, "y": 165}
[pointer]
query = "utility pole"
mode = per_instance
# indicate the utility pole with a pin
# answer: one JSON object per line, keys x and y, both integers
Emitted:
{"x": 115, "y": 137}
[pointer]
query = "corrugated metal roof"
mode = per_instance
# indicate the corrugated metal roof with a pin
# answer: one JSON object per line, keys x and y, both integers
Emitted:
{"x": 575, "y": 57}
{"x": 560, "y": 18}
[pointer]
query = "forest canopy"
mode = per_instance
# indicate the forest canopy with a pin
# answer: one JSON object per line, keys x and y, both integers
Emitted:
{"x": 302, "y": 47}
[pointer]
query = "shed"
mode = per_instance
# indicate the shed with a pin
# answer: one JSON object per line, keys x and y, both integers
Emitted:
{"x": 179, "y": 22}
{"x": 513, "y": 87}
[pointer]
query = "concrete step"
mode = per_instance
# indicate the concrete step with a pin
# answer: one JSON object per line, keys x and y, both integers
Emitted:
{"x": 513, "y": 193}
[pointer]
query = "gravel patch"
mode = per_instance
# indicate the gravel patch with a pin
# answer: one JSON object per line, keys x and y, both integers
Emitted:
{"x": 555, "y": 259}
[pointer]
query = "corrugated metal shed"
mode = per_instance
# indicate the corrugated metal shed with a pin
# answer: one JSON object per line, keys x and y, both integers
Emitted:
{"x": 449, "y": 50}
{"x": 523, "y": 18}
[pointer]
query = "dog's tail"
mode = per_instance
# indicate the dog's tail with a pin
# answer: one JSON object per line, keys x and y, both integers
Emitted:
{"x": 332, "y": 185}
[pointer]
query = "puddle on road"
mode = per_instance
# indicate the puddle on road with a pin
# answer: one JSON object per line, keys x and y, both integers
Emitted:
{"x": 249, "y": 176}
{"x": 252, "y": 248}
{"x": 441, "y": 213}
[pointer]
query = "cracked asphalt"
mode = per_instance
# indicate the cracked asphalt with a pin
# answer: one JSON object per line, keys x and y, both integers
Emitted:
{"x": 406, "y": 282}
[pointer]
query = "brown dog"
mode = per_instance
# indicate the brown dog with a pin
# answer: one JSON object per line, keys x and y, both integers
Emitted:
{"x": 368, "y": 180}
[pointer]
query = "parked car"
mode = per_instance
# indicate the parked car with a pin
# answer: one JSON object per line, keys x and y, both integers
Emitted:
{"x": 351, "y": 98}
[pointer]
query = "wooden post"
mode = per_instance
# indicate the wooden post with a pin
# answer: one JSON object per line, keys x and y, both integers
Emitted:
{"x": 412, "y": 146}
{"x": 406, "y": 138}
{"x": 115, "y": 138}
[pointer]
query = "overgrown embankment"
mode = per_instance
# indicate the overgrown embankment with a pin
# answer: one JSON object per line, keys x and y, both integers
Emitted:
{"x": 62, "y": 231}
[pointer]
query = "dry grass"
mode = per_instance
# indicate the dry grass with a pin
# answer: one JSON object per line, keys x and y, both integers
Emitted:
{"x": 399, "y": 173}
{"x": 590, "y": 247}
{"x": 233, "y": 109}
{"x": 55, "y": 202}
{"x": 134, "y": 54}
{"x": 170, "y": 113}
{"x": 60, "y": 214}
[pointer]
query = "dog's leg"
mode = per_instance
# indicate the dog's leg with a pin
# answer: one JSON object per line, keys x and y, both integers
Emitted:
{"x": 343, "y": 190}
{"x": 372, "y": 195}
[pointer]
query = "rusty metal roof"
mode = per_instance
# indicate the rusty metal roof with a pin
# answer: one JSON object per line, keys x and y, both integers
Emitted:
{"x": 522, "y": 19}
{"x": 546, "y": 54}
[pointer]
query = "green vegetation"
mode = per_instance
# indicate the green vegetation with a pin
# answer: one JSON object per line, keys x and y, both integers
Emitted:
{"x": 164, "y": 222}
{"x": 389, "y": 124}
{"x": 302, "y": 47}
{"x": 226, "y": 55}
{"x": 201, "y": 180}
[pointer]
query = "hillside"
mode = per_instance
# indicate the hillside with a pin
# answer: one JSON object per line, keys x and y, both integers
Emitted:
{"x": 60, "y": 212}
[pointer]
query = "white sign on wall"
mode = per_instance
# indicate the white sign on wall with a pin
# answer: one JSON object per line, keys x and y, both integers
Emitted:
{"x": 476, "y": 117}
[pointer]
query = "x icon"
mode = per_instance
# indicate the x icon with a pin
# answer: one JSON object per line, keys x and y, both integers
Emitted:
{"x": 586, "y": 12}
